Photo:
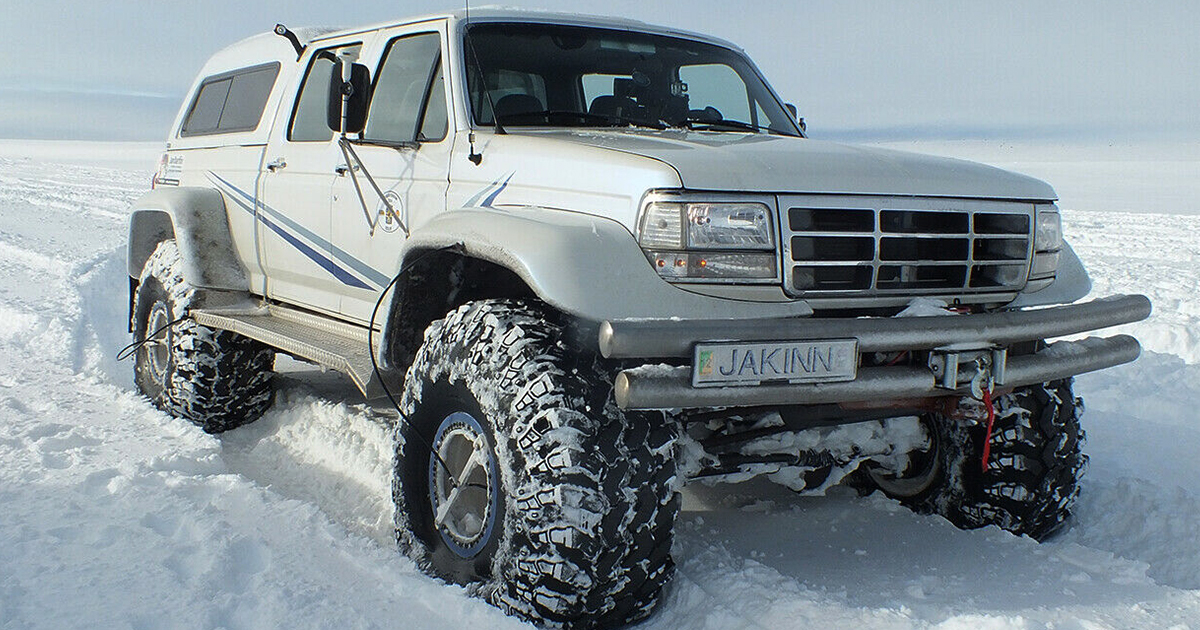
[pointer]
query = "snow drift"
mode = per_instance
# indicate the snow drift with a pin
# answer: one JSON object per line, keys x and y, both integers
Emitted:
{"x": 113, "y": 514}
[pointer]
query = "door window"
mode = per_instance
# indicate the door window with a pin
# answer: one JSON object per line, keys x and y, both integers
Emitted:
{"x": 309, "y": 122}
{"x": 409, "y": 94}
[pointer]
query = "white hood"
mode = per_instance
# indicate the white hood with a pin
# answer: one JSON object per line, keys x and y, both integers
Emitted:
{"x": 769, "y": 163}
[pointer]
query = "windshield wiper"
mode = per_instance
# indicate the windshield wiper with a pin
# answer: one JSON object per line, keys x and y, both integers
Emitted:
{"x": 547, "y": 114}
{"x": 583, "y": 117}
{"x": 696, "y": 123}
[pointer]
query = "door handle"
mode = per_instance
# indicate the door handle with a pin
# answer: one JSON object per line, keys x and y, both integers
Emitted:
{"x": 276, "y": 164}
{"x": 341, "y": 170}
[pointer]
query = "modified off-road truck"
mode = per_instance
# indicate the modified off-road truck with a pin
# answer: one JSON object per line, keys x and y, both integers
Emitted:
{"x": 590, "y": 260}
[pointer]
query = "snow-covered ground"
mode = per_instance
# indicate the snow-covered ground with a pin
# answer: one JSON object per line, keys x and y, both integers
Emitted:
{"x": 113, "y": 515}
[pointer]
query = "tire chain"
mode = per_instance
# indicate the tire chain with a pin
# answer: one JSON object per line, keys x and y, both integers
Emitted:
{"x": 593, "y": 492}
{"x": 221, "y": 380}
{"x": 1037, "y": 461}
{"x": 1032, "y": 476}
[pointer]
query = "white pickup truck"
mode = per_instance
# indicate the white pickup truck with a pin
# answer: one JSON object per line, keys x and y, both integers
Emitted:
{"x": 590, "y": 260}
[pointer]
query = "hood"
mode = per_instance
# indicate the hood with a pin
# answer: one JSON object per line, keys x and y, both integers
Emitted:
{"x": 780, "y": 164}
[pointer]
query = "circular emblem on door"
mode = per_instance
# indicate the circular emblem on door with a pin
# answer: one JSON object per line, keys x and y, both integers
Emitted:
{"x": 389, "y": 221}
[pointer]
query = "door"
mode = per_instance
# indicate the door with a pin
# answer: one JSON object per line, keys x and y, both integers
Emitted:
{"x": 405, "y": 149}
{"x": 301, "y": 264}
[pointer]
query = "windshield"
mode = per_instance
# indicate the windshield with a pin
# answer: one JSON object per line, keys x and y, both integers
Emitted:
{"x": 568, "y": 76}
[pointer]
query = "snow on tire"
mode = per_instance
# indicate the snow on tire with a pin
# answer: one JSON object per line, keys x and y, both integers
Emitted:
{"x": 216, "y": 379}
{"x": 566, "y": 507}
{"x": 1033, "y": 470}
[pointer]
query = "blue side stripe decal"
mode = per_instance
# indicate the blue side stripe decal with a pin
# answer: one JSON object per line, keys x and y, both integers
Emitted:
{"x": 487, "y": 203}
{"x": 325, "y": 263}
{"x": 341, "y": 255}
{"x": 328, "y": 265}
{"x": 474, "y": 200}
{"x": 479, "y": 195}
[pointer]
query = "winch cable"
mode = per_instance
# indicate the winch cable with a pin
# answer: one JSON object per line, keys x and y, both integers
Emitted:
{"x": 127, "y": 351}
{"x": 991, "y": 424}
{"x": 403, "y": 417}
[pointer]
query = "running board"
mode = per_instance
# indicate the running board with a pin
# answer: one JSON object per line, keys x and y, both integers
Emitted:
{"x": 331, "y": 343}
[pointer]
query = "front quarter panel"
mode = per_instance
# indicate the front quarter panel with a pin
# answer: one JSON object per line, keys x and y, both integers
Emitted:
{"x": 588, "y": 266}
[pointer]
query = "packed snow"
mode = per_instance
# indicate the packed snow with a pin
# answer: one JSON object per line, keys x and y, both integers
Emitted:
{"x": 114, "y": 515}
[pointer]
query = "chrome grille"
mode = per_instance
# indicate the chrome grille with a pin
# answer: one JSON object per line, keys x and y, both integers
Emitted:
{"x": 899, "y": 246}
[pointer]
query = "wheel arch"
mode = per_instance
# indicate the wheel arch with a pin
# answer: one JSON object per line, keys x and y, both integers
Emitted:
{"x": 196, "y": 218}
{"x": 436, "y": 281}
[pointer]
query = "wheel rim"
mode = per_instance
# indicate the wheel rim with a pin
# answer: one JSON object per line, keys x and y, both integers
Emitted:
{"x": 157, "y": 349}
{"x": 923, "y": 470}
{"x": 463, "y": 489}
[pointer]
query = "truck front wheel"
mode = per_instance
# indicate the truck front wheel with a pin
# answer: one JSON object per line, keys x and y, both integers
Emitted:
{"x": 1032, "y": 474}
{"x": 517, "y": 475}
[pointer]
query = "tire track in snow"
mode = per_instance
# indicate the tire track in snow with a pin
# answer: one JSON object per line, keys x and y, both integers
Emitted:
{"x": 1145, "y": 253}
{"x": 320, "y": 463}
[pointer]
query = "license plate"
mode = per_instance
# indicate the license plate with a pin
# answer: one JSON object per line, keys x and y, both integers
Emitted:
{"x": 733, "y": 363}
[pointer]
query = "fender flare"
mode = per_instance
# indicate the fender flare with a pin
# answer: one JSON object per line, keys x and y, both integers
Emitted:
{"x": 196, "y": 218}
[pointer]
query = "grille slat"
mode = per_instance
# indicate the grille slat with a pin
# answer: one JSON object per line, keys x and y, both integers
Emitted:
{"x": 890, "y": 250}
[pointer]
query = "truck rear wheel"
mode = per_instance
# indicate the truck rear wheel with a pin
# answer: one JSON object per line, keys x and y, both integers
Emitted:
{"x": 217, "y": 379}
{"x": 1033, "y": 470}
{"x": 544, "y": 497}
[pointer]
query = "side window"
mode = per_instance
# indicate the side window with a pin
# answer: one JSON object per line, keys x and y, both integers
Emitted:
{"x": 206, "y": 111}
{"x": 308, "y": 119}
{"x": 436, "y": 122}
{"x": 230, "y": 102}
{"x": 411, "y": 66}
{"x": 718, "y": 86}
{"x": 247, "y": 98}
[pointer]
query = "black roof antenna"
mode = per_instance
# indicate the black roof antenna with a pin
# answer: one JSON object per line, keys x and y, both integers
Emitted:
{"x": 475, "y": 157}
{"x": 287, "y": 33}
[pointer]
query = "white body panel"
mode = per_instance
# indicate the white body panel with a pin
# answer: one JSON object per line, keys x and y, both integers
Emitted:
{"x": 302, "y": 235}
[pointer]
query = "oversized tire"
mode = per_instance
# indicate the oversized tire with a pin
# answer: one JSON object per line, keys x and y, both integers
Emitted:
{"x": 1033, "y": 469}
{"x": 545, "y": 498}
{"x": 217, "y": 379}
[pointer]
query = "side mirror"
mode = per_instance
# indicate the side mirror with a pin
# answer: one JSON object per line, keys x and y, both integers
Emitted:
{"x": 796, "y": 116}
{"x": 358, "y": 88}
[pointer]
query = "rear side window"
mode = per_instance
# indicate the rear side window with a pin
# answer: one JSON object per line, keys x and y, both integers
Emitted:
{"x": 229, "y": 102}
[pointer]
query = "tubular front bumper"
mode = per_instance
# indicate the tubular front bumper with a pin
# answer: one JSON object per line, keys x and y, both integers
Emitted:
{"x": 661, "y": 387}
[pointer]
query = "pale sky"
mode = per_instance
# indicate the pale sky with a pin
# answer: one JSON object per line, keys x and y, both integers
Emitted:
{"x": 857, "y": 69}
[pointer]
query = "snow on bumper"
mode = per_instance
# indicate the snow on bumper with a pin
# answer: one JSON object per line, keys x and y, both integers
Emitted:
{"x": 663, "y": 387}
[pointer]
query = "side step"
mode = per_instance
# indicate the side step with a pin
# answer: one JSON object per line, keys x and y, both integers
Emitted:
{"x": 331, "y": 343}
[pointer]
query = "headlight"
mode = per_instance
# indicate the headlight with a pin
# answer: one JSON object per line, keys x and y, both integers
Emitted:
{"x": 676, "y": 225}
{"x": 1047, "y": 241}
{"x": 709, "y": 240}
